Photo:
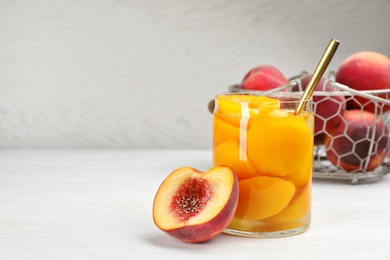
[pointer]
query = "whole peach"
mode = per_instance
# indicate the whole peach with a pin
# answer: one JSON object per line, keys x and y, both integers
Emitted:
{"x": 328, "y": 109}
{"x": 264, "y": 77}
{"x": 359, "y": 143}
{"x": 365, "y": 71}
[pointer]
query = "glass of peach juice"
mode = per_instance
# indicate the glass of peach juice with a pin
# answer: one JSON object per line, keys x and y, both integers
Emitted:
{"x": 270, "y": 149}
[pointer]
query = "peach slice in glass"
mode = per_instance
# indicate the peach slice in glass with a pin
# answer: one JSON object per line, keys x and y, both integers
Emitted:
{"x": 228, "y": 153}
{"x": 298, "y": 208}
{"x": 262, "y": 197}
{"x": 278, "y": 145}
{"x": 234, "y": 105}
{"x": 223, "y": 130}
{"x": 302, "y": 176}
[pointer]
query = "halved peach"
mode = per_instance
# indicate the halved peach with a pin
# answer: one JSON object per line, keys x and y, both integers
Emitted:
{"x": 262, "y": 197}
{"x": 230, "y": 153}
{"x": 195, "y": 206}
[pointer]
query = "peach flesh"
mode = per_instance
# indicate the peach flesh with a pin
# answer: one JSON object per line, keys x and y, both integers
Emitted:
{"x": 275, "y": 134}
{"x": 190, "y": 198}
{"x": 224, "y": 130}
{"x": 298, "y": 208}
{"x": 228, "y": 153}
{"x": 195, "y": 206}
{"x": 262, "y": 197}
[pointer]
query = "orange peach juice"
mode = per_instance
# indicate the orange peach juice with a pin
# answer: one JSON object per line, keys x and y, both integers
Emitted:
{"x": 271, "y": 151}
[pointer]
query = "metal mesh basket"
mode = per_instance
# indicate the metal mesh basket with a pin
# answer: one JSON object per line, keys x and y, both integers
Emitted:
{"x": 363, "y": 141}
{"x": 363, "y": 156}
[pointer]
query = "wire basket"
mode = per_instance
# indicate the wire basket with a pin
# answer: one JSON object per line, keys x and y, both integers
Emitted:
{"x": 354, "y": 149}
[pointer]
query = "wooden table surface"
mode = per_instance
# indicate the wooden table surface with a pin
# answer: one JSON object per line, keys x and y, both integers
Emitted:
{"x": 97, "y": 204}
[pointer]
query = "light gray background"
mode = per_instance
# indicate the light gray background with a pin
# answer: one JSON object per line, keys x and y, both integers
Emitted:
{"x": 139, "y": 73}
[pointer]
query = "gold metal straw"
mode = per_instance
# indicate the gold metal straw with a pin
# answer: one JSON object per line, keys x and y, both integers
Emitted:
{"x": 317, "y": 74}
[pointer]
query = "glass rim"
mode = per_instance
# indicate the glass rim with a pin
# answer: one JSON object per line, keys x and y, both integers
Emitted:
{"x": 290, "y": 97}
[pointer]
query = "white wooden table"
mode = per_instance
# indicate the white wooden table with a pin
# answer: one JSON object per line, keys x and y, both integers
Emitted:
{"x": 98, "y": 205}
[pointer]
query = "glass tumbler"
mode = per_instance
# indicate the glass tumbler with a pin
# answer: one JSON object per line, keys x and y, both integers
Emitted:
{"x": 270, "y": 149}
